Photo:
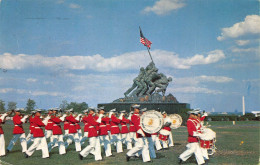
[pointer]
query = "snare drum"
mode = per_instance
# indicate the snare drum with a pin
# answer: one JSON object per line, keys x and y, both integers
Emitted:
{"x": 163, "y": 137}
{"x": 206, "y": 143}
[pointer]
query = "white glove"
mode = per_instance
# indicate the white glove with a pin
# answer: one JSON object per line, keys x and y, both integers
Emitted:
{"x": 110, "y": 114}
{"x": 205, "y": 114}
{"x": 121, "y": 116}
{"x": 45, "y": 121}
{"x": 99, "y": 119}
{"x": 3, "y": 116}
{"x": 129, "y": 117}
{"x": 63, "y": 117}
{"x": 48, "y": 117}
{"x": 24, "y": 118}
{"x": 196, "y": 134}
{"x": 141, "y": 132}
{"x": 77, "y": 118}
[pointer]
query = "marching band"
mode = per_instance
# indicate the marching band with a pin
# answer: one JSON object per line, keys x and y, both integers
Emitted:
{"x": 101, "y": 129}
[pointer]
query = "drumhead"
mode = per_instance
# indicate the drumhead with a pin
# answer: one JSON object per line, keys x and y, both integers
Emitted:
{"x": 151, "y": 121}
{"x": 176, "y": 121}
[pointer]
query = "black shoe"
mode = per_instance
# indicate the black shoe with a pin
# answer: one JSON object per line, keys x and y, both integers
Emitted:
{"x": 127, "y": 158}
{"x": 7, "y": 151}
{"x": 80, "y": 157}
{"x": 25, "y": 155}
{"x": 111, "y": 156}
{"x": 180, "y": 161}
{"x": 206, "y": 162}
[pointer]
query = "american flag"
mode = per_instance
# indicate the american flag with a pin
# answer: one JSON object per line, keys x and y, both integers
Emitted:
{"x": 144, "y": 40}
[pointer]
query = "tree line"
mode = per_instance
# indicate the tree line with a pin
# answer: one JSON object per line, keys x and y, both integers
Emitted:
{"x": 31, "y": 105}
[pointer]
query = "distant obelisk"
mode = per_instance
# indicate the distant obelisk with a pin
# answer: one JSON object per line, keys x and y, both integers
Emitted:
{"x": 243, "y": 105}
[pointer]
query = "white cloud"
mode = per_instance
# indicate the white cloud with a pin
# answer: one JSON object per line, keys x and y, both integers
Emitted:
{"x": 162, "y": 7}
{"x": 242, "y": 42}
{"x": 99, "y": 63}
{"x": 74, "y": 6}
{"x": 250, "y": 25}
{"x": 193, "y": 90}
{"x": 29, "y": 92}
{"x": 244, "y": 50}
{"x": 31, "y": 80}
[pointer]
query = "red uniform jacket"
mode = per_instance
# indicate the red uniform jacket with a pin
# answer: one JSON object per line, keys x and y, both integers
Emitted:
{"x": 85, "y": 121}
{"x": 38, "y": 132}
{"x": 1, "y": 129}
{"x": 108, "y": 123}
{"x": 114, "y": 125}
{"x": 56, "y": 128}
{"x": 92, "y": 131}
{"x": 123, "y": 123}
{"x": 18, "y": 125}
{"x": 31, "y": 125}
{"x": 132, "y": 127}
{"x": 191, "y": 127}
{"x": 77, "y": 126}
{"x": 136, "y": 121}
{"x": 50, "y": 124}
{"x": 66, "y": 124}
{"x": 72, "y": 121}
{"x": 103, "y": 126}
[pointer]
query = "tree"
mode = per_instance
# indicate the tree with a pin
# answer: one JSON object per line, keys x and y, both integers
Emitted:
{"x": 2, "y": 106}
{"x": 64, "y": 104}
{"x": 30, "y": 105}
{"x": 11, "y": 105}
{"x": 78, "y": 107}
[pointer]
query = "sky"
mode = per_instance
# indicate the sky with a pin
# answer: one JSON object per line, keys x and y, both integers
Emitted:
{"x": 90, "y": 51}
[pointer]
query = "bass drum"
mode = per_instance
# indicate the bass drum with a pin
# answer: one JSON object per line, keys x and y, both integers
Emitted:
{"x": 176, "y": 121}
{"x": 151, "y": 121}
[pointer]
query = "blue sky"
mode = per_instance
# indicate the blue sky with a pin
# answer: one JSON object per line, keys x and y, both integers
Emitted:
{"x": 89, "y": 51}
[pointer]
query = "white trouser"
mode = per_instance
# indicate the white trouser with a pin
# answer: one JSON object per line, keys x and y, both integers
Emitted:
{"x": 126, "y": 140}
{"x": 140, "y": 146}
{"x": 164, "y": 143}
{"x": 171, "y": 143}
{"x": 74, "y": 137}
{"x": 117, "y": 138}
{"x": 156, "y": 142}
{"x": 90, "y": 147}
{"x": 193, "y": 148}
{"x": 97, "y": 150}
{"x": 39, "y": 141}
{"x": 2, "y": 145}
{"x": 22, "y": 140}
{"x": 151, "y": 147}
{"x": 105, "y": 139}
{"x": 57, "y": 139}
{"x": 132, "y": 136}
{"x": 84, "y": 138}
{"x": 29, "y": 138}
{"x": 80, "y": 133}
{"x": 48, "y": 134}
{"x": 204, "y": 153}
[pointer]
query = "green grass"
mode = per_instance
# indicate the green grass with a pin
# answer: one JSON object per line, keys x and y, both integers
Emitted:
{"x": 230, "y": 150}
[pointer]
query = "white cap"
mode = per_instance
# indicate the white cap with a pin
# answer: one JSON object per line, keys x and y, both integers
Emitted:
{"x": 143, "y": 110}
{"x": 164, "y": 112}
{"x": 123, "y": 111}
{"x": 113, "y": 110}
{"x": 136, "y": 106}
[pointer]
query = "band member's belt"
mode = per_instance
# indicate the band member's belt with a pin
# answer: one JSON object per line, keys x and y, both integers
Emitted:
{"x": 72, "y": 124}
{"x": 56, "y": 124}
{"x": 91, "y": 127}
{"x": 18, "y": 125}
{"x": 114, "y": 126}
{"x": 37, "y": 127}
{"x": 102, "y": 126}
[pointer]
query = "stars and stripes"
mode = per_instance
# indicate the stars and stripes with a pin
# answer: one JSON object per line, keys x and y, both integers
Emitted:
{"x": 144, "y": 40}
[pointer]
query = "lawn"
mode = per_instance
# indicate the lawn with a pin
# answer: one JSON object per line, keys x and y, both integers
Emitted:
{"x": 236, "y": 144}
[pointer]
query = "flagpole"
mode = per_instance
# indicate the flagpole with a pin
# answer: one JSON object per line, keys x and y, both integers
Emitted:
{"x": 149, "y": 52}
